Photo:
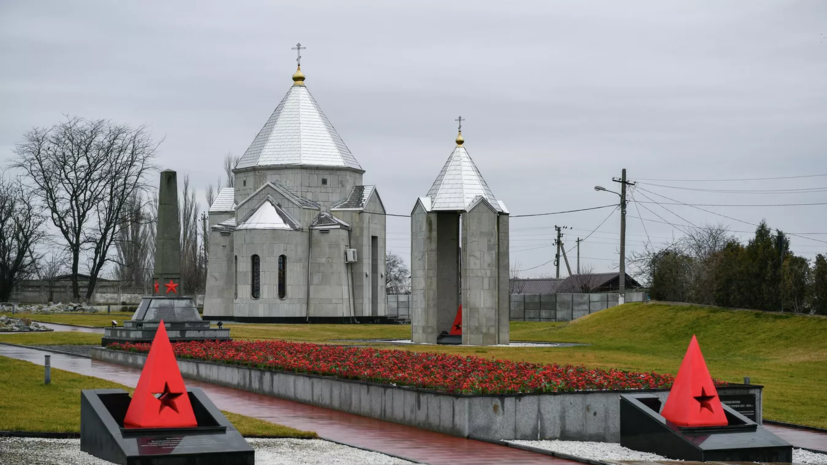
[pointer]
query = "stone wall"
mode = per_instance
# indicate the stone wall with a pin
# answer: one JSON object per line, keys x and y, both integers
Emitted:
{"x": 577, "y": 416}
{"x": 306, "y": 182}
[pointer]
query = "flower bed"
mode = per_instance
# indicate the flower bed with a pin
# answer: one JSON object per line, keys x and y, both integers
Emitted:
{"x": 440, "y": 372}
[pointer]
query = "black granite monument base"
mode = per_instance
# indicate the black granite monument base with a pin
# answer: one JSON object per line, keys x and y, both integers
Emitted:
{"x": 447, "y": 339}
{"x": 181, "y": 319}
{"x": 213, "y": 442}
{"x": 642, "y": 428}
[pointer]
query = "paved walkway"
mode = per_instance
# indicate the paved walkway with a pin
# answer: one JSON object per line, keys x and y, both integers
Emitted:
{"x": 381, "y": 436}
{"x": 808, "y": 439}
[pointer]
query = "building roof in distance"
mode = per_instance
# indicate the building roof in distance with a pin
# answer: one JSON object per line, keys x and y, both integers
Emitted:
{"x": 325, "y": 220}
{"x": 535, "y": 285}
{"x": 298, "y": 133}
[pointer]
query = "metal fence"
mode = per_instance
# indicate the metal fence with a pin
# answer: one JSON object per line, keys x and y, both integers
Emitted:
{"x": 564, "y": 306}
{"x": 535, "y": 307}
{"x": 399, "y": 306}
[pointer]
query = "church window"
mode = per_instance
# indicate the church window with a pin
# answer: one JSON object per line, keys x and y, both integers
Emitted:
{"x": 256, "y": 281}
{"x": 324, "y": 181}
{"x": 245, "y": 183}
{"x": 282, "y": 276}
{"x": 235, "y": 277}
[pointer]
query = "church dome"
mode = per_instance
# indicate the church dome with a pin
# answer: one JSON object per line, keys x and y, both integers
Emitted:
{"x": 459, "y": 183}
{"x": 298, "y": 134}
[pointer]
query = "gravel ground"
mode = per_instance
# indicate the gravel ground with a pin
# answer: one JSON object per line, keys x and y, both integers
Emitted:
{"x": 84, "y": 351}
{"x": 616, "y": 452}
{"x": 593, "y": 450}
{"x": 35, "y": 451}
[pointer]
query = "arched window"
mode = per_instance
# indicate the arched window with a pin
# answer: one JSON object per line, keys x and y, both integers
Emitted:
{"x": 256, "y": 277}
{"x": 235, "y": 277}
{"x": 282, "y": 276}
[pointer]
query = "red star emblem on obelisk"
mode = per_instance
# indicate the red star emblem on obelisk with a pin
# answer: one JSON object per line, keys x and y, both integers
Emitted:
{"x": 171, "y": 286}
{"x": 156, "y": 286}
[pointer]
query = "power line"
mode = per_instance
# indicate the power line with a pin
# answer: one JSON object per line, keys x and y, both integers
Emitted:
{"x": 742, "y": 191}
{"x": 641, "y": 219}
{"x": 670, "y": 211}
{"x": 512, "y": 216}
{"x": 595, "y": 229}
{"x": 736, "y": 204}
{"x": 725, "y": 216}
{"x": 562, "y": 212}
{"x": 738, "y": 179}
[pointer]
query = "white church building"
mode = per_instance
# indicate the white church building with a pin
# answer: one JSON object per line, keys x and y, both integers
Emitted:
{"x": 300, "y": 237}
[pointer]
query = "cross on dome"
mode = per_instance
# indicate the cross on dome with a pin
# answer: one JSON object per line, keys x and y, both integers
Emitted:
{"x": 298, "y": 48}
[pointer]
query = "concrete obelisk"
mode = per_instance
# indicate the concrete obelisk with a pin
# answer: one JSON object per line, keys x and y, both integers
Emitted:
{"x": 167, "y": 275}
{"x": 179, "y": 313}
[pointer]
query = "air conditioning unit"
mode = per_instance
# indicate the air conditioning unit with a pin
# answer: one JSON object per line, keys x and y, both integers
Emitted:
{"x": 350, "y": 255}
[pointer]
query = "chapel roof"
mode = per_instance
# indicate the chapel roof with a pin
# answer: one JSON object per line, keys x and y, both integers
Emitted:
{"x": 269, "y": 215}
{"x": 325, "y": 220}
{"x": 298, "y": 134}
{"x": 224, "y": 202}
{"x": 356, "y": 199}
{"x": 459, "y": 183}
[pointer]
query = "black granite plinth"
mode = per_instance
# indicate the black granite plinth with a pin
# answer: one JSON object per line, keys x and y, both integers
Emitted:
{"x": 642, "y": 428}
{"x": 181, "y": 319}
{"x": 447, "y": 339}
{"x": 213, "y": 442}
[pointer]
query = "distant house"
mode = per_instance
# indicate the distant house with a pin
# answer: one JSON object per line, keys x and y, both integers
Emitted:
{"x": 535, "y": 286}
{"x": 596, "y": 282}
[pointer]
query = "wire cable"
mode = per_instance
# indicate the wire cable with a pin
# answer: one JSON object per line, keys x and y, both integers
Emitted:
{"x": 595, "y": 229}
{"x": 725, "y": 216}
{"x": 737, "y": 179}
{"x": 742, "y": 191}
{"x": 640, "y": 216}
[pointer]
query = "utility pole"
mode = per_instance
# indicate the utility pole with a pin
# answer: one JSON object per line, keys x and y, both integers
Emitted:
{"x": 559, "y": 243}
{"x": 578, "y": 254}
{"x": 622, "y": 273}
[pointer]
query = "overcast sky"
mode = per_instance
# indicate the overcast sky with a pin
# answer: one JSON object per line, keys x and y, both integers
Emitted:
{"x": 559, "y": 96}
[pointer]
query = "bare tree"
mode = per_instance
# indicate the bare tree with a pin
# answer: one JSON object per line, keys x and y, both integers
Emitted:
{"x": 230, "y": 161}
{"x": 191, "y": 261}
{"x": 515, "y": 283}
{"x": 20, "y": 232}
{"x": 84, "y": 173}
{"x": 51, "y": 267}
{"x": 132, "y": 244}
{"x": 584, "y": 281}
{"x": 397, "y": 276}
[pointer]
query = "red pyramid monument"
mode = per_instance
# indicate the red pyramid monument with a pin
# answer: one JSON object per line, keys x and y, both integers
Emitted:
{"x": 456, "y": 328}
{"x": 161, "y": 399}
{"x": 693, "y": 400}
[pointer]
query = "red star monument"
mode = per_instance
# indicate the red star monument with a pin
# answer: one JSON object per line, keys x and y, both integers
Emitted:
{"x": 161, "y": 399}
{"x": 156, "y": 286}
{"x": 693, "y": 399}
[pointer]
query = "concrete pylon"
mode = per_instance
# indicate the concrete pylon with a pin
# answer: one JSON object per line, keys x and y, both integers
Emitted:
{"x": 167, "y": 275}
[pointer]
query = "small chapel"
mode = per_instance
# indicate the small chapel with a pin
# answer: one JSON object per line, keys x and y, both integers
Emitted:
{"x": 300, "y": 237}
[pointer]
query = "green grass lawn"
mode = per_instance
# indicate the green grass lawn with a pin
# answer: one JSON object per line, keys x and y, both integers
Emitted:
{"x": 29, "y": 405}
{"x": 99, "y": 320}
{"x": 785, "y": 353}
{"x": 51, "y": 337}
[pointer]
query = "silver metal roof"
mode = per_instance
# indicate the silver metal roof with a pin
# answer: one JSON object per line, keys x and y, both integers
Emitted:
{"x": 224, "y": 202}
{"x": 325, "y": 220}
{"x": 459, "y": 183}
{"x": 298, "y": 133}
{"x": 268, "y": 216}
{"x": 357, "y": 199}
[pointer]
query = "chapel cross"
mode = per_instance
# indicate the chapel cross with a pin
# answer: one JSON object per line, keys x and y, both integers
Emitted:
{"x": 460, "y": 123}
{"x": 298, "y": 48}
